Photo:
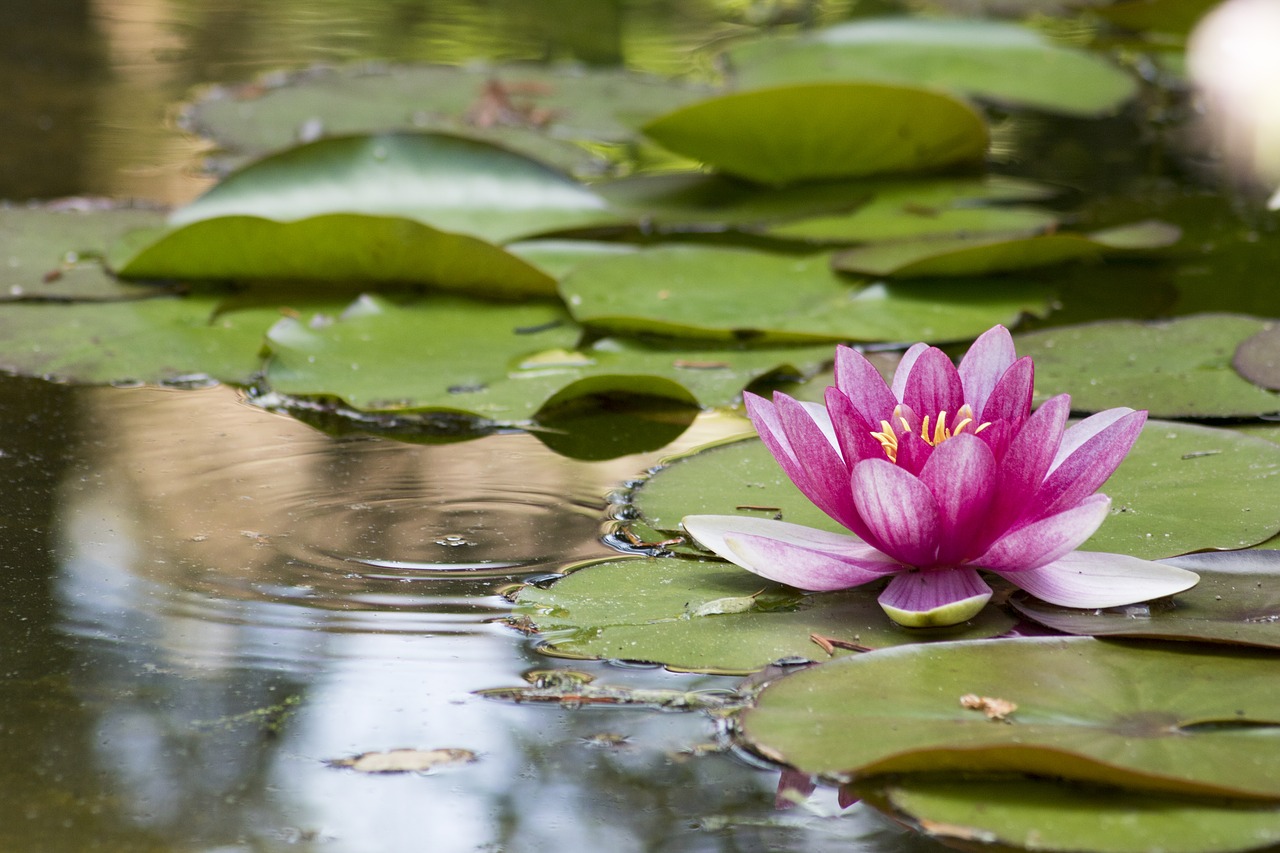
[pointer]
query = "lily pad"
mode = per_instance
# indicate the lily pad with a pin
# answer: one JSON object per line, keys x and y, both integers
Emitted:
{"x": 828, "y": 130}
{"x": 741, "y": 294}
{"x": 962, "y": 256}
{"x": 152, "y": 341}
{"x": 1001, "y": 62}
{"x": 1181, "y": 368}
{"x": 1042, "y": 814}
{"x": 712, "y": 616}
{"x": 1182, "y": 488}
{"x": 499, "y": 362}
{"x": 1162, "y": 717}
{"x": 386, "y": 208}
{"x": 1258, "y": 358}
{"x": 1236, "y": 601}
{"x": 543, "y": 112}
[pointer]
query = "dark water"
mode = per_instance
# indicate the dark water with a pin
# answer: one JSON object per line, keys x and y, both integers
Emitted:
{"x": 201, "y": 603}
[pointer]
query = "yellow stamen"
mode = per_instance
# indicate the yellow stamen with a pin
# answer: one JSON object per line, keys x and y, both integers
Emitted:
{"x": 888, "y": 435}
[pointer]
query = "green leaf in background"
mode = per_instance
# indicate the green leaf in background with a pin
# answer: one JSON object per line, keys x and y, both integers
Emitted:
{"x": 1173, "y": 17}
{"x": 53, "y": 253}
{"x": 1160, "y": 717}
{"x": 741, "y": 294}
{"x": 996, "y": 61}
{"x": 337, "y": 248}
{"x": 1182, "y": 488}
{"x": 828, "y": 130}
{"x": 963, "y": 256}
{"x": 499, "y": 362}
{"x": 712, "y": 616}
{"x": 1258, "y": 358}
{"x": 1236, "y": 601}
{"x": 1181, "y": 368}
{"x": 542, "y": 112}
{"x": 1043, "y": 814}
{"x": 153, "y": 341}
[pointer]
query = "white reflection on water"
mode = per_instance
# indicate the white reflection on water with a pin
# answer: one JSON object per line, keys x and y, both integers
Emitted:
{"x": 249, "y": 599}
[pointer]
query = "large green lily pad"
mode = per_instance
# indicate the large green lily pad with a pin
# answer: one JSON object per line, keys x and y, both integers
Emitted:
{"x": 1236, "y": 601}
{"x": 1182, "y": 488}
{"x": 1042, "y": 814}
{"x": 712, "y": 616}
{"x": 741, "y": 294}
{"x": 788, "y": 134}
{"x": 1258, "y": 358}
{"x": 543, "y": 112}
{"x": 500, "y": 362}
{"x": 997, "y": 61}
{"x": 1181, "y": 368}
{"x": 1161, "y": 717}
{"x": 986, "y": 255}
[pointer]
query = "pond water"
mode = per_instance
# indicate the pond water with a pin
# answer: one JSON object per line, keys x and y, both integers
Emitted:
{"x": 204, "y": 603}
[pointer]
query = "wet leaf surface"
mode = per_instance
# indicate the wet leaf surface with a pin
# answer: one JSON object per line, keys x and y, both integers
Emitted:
{"x": 1168, "y": 497}
{"x": 406, "y": 760}
{"x": 992, "y": 60}
{"x": 1236, "y": 601}
{"x": 1181, "y": 368}
{"x": 1258, "y": 358}
{"x": 1087, "y": 711}
{"x": 1041, "y": 814}
{"x": 741, "y": 294}
{"x": 788, "y": 134}
{"x": 711, "y": 616}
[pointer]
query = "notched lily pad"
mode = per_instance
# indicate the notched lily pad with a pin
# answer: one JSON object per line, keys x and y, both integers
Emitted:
{"x": 711, "y": 616}
{"x": 406, "y": 760}
{"x": 963, "y": 256}
{"x": 740, "y": 294}
{"x": 1180, "y": 368}
{"x": 1236, "y": 601}
{"x": 789, "y": 134}
{"x": 1159, "y": 717}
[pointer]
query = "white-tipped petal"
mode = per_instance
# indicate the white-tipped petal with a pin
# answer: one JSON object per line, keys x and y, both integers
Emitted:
{"x": 935, "y": 599}
{"x": 1098, "y": 579}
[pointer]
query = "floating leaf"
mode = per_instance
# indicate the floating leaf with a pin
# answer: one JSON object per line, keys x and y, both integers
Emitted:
{"x": 987, "y": 59}
{"x": 829, "y": 130}
{"x": 737, "y": 294}
{"x": 1258, "y": 358}
{"x": 1182, "y": 488}
{"x": 1168, "y": 717}
{"x": 405, "y": 760}
{"x": 962, "y": 256}
{"x": 886, "y": 220}
{"x": 543, "y": 112}
{"x": 1043, "y": 814}
{"x": 712, "y": 616}
{"x": 1236, "y": 601}
{"x": 1181, "y": 368}
{"x": 1175, "y": 17}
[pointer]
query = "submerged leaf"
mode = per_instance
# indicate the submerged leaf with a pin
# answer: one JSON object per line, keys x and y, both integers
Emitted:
{"x": 405, "y": 760}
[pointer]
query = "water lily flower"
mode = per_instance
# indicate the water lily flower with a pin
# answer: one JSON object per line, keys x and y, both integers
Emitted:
{"x": 938, "y": 475}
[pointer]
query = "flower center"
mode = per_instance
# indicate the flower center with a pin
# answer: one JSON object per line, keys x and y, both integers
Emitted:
{"x": 888, "y": 436}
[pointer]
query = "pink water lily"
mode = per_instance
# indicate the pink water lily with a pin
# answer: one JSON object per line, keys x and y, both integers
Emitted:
{"x": 944, "y": 472}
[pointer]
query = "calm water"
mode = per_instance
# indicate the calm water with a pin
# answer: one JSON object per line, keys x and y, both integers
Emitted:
{"x": 204, "y": 602}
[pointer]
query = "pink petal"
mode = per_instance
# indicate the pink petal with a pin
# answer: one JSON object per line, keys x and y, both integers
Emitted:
{"x": 984, "y": 364}
{"x": 826, "y": 476}
{"x": 961, "y": 474}
{"x": 859, "y": 380}
{"x": 1082, "y": 472}
{"x": 853, "y": 434}
{"x": 903, "y": 372}
{"x": 936, "y": 598}
{"x": 793, "y": 554}
{"x": 1023, "y": 466}
{"x": 1095, "y": 579}
{"x": 899, "y": 511}
{"x": 913, "y": 452}
{"x": 820, "y": 416}
{"x": 934, "y": 385}
{"x": 1078, "y": 433}
{"x": 1048, "y": 539}
{"x": 1010, "y": 401}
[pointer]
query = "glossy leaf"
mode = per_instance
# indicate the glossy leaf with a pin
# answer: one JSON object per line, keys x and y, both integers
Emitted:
{"x": 711, "y": 616}
{"x": 740, "y": 294}
{"x": 996, "y": 61}
{"x": 1043, "y": 814}
{"x": 1236, "y": 601}
{"x": 962, "y": 256}
{"x": 829, "y": 130}
{"x": 1161, "y": 717}
{"x": 1181, "y": 368}
{"x": 1181, "y": 488}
